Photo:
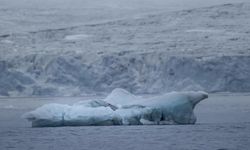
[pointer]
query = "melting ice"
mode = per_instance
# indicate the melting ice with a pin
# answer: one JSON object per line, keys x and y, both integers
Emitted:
{"x": 120, "y": 108}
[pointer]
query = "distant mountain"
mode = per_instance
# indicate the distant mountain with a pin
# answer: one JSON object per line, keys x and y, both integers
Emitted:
{"x": 198, "y": 49}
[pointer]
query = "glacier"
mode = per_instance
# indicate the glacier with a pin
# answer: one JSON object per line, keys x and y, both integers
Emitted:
{"x": 204, "y": 49}
{"x": 120, "y": 108}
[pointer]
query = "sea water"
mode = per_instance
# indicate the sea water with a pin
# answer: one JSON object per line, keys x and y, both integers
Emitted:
{"x": 223, "y": 122}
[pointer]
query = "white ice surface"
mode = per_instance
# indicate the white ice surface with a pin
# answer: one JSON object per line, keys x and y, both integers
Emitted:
{"x": 170, "y": 108}
{"x": 120, "y": 97}
{"x": 48, "y": 115}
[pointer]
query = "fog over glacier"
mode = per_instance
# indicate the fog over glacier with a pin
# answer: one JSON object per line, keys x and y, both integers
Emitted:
{"x": 143, "y": 47}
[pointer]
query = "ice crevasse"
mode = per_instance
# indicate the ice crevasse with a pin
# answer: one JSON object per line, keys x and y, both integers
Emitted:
{"x": 120, "y": 108}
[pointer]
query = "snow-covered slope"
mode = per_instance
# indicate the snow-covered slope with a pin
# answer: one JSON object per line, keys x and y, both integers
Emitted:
{"x": 198, "y": 49}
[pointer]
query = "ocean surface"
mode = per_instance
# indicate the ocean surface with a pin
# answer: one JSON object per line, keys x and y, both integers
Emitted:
{"x": 223, "y": 123}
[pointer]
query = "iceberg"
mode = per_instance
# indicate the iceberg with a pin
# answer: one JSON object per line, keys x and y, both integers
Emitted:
{"x": 50, "y": 115}
{"x": 120, "y": 108}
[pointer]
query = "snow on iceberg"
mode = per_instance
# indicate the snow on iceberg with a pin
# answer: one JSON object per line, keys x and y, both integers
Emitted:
{"x": 120, "y": 108}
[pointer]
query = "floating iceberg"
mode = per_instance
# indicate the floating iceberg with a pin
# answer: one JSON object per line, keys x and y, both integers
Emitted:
{"x": 120, "y": 108}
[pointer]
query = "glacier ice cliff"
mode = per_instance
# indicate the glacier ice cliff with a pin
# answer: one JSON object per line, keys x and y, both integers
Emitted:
{"x": 120, "y": 108}
{"x": 156, "y": 72}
